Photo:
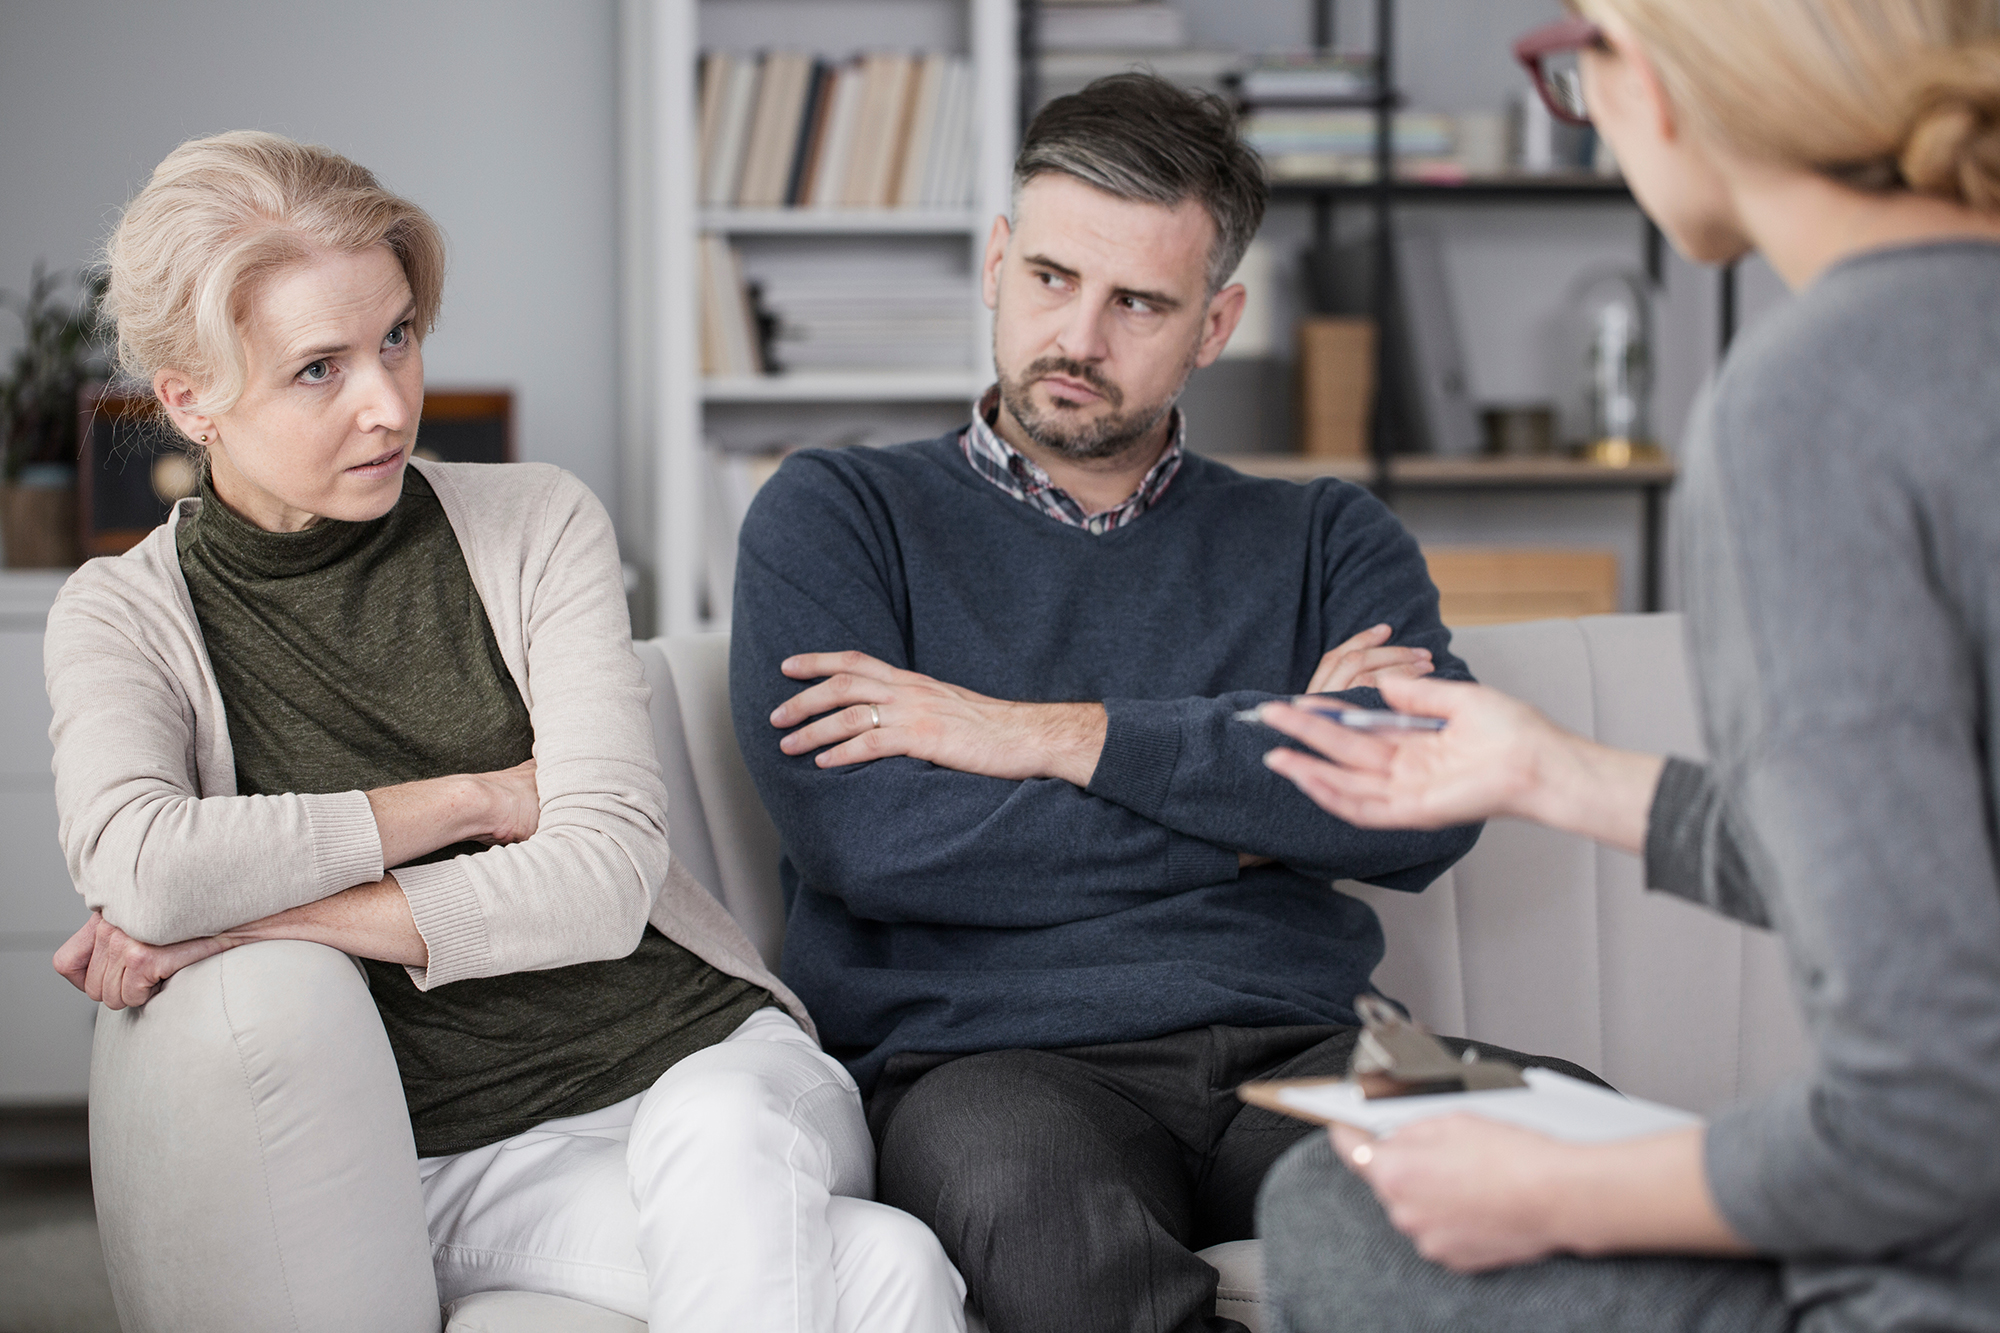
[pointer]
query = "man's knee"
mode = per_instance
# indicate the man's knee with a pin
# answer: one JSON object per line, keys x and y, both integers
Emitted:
{"x": 968, "y": 1135}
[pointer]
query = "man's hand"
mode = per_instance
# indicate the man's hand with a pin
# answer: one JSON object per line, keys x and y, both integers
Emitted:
{"x": 106, "y": 964}
{"x": 1367, "y": 659}
{"x": 867, "y": 709}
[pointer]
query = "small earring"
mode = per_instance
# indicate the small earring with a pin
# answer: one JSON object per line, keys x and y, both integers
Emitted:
{"x": 204, "y": 439}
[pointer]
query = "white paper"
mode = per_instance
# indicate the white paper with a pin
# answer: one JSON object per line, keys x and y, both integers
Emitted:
{"x": 1553, "y": 1104}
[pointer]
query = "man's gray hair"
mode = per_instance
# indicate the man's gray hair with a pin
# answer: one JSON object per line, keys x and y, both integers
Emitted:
{"x": 1139, "y": 137}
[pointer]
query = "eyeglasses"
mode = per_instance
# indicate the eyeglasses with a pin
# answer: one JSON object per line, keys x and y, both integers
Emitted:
{"x": 1551, "y": 56}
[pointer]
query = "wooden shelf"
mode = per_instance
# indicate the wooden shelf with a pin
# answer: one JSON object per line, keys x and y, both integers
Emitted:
{"x": 1423, "y": 472}
{"x": 887, "y": 386}
{"x": 841, "y": 222}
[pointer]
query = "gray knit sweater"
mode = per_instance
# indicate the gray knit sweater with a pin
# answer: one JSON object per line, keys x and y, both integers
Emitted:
{"x": 1842, "y": 537}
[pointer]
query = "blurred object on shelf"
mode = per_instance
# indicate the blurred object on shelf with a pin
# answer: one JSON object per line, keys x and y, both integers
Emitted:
{"x": 1066, "y": 72}
{"x": 1617, "y": 308}
{"x": 466, "y": 426}
{"x": 1098, "y": 27}
{"x": 1307, "y": 78}
{"x": 1336, "y": 386}
{"x": 61, "y": 349}
{"x": 38, "y": 517}
{"x": 1255, "y": 334}
{"x": 1544, "y": 146}
{"x": 1442, "y": 413}
{"x": 1317, "y": 143}
{"x": 1518, "y": 430}
{"x": 882, "y": 130}
{"x": 1482, "y": 144}
{"x": 1493, "y": 585}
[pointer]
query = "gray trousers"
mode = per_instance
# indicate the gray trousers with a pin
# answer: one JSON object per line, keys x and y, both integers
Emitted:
{"x": 1333, "y": 1264}
{"x": 1072, "y": 1187}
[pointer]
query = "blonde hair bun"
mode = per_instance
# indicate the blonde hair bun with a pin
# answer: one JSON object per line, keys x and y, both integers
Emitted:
{"x": 1952, "y": 148}
{"x": 219, "y": 217}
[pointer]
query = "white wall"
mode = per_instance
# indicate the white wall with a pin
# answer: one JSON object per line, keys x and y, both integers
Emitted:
{"x": 497, "y": 116}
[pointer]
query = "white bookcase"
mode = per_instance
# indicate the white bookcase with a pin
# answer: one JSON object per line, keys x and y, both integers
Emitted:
{"x": 671, "y": 412}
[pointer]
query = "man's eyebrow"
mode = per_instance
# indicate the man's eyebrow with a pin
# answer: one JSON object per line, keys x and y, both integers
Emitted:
{"x": 1158, "y": 300}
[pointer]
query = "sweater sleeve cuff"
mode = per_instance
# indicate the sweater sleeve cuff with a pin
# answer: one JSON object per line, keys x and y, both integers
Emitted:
{"x": 346, "y": 845}
{"x": 1142, "y": 744}
{"x": 1674, "y": 828}
{"x": 448, "y": 915}
{"x": 1745, "y": 1156}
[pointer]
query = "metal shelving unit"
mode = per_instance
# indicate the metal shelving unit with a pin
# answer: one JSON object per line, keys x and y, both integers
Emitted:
{"x": 1386, "y": 471}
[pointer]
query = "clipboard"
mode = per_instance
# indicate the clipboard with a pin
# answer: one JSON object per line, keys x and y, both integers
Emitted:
{"x": 1401, "y": 1074}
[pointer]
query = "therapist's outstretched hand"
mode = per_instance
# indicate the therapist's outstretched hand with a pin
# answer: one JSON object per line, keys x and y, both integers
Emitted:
{"x": 1496, "y": 756}
{"x": 1485, "y": 762}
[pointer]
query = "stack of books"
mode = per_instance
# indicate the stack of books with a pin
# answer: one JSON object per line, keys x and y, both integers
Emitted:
{"x": 855, "y": 318}
{"x": 1311, "y": 115}
{"x": 1323, "y": 144}
{"x": 886, "y": 130}
{"x": 807, "y": 315}
{"x": 731, "y": 338}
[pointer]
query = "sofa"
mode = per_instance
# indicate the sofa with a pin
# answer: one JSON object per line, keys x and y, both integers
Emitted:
{"x": 254, "y": 1167}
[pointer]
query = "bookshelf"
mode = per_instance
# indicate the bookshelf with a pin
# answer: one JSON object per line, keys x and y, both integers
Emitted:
{"x": 672, "y": 412}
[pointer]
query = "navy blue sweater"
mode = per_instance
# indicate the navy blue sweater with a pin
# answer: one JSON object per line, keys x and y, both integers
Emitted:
{"x": 938, "y": 911}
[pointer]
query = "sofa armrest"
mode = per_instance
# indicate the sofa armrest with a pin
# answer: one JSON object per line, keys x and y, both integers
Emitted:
{"x": 251, "y": 1153}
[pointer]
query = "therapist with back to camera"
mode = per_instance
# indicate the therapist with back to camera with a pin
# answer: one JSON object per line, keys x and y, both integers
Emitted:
{"x": 1841, "y": 539}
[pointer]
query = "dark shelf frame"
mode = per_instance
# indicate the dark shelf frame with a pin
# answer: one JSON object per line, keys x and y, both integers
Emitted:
{"x": 1386, "y": 191}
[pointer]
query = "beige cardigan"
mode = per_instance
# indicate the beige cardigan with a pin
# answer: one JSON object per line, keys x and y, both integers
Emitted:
{"x": 159, "y": 841}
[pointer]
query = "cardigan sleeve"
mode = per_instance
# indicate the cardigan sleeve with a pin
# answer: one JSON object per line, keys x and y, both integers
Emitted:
{"x": 162, "y": 862}
{"x": 582, "y": 887}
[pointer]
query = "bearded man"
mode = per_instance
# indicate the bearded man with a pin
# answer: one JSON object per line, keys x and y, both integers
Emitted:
{"x": 1045, "y": 899}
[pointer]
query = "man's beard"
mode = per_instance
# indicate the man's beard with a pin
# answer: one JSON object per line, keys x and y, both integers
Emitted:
{"x": 1060, "y": 430}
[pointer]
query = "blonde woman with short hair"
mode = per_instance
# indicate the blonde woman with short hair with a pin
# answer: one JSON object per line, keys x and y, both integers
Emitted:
{"x": 392, "y": 707}
{"x": 1841, "y": 532}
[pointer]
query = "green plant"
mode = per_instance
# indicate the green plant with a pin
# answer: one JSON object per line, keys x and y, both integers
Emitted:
{"x": 62, "y": 350}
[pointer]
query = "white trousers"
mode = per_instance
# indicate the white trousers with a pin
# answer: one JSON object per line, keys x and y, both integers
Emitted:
{"x": 733, "y": 1195}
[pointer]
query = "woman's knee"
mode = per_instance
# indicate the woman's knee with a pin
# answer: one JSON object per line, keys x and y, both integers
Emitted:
{"x": 888, "y": 1267}
{"x": 1322, "y": 1231}
{"x": 758, "y": 1101}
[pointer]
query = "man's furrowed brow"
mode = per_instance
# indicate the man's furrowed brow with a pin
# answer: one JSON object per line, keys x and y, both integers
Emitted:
{"x": 1158, "y": 300}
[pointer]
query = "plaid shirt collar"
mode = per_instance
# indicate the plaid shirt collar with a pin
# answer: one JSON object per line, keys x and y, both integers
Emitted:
{"x": 1013, "y": 472}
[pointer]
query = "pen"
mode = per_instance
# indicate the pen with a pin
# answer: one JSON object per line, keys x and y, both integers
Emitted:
{"x": 1361, "y": 719}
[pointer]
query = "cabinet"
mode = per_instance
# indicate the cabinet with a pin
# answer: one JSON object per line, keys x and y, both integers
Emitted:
{"x": 45, "y": 1024}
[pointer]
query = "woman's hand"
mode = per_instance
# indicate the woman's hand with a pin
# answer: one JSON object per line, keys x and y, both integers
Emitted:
{"x": 108, "y": 965}
{"x": 1497, "y": 756}
{"x": 1484, "y": 763}
{"x": 1367, "y": 659}
{"x": 1470, "y": 1194}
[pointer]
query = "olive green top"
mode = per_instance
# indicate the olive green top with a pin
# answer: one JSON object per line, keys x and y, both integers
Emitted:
{"x": 358, "y": 655}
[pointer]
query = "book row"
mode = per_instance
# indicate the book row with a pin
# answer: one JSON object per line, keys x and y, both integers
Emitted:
{"x": 882, "y": 130}
{"x": 844, "y": 318}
